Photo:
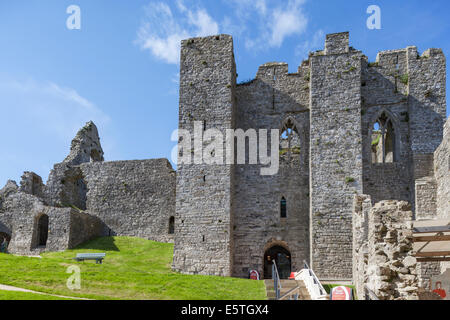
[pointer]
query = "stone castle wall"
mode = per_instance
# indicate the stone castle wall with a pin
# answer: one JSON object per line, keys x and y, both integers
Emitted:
{"x": 383, "y": 91}
{"x": 132, "y": 198}
{"x": 269, "y": 102}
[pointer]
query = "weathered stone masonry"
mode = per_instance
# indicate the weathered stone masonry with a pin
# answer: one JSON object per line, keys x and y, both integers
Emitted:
{"x": 204, "y": 219}
{"x": 332, "y": 102}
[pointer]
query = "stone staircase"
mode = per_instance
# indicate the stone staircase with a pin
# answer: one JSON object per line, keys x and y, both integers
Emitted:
{"x": 286, "y": 286}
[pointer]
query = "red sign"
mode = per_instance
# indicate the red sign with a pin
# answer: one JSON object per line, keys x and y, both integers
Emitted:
{"x": 254, "y": 275}
{"x": 341, "y": 293}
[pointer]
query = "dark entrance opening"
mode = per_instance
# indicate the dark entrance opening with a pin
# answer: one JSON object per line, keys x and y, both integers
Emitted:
{"x": 4, "y": 236}
{"x": 282, "y": 258}
{"x": 42, "y": 230}
{"x": 4, "y": 245}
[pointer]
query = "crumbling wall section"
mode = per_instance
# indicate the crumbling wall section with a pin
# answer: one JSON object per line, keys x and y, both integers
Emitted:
{"x": 66, "y": 186}
{"x": 31, "y": 183}
{"x": 25, "y": 211}
{"x": 383, "y": 256}
{"x": 6, "y": 219}
{"x": 85, "y": 147}
{"x": 19, "y": 218}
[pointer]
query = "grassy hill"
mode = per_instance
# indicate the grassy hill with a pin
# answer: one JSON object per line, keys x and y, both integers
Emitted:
{"x": 13, "y": 295}
{"x": 133, "y": 268}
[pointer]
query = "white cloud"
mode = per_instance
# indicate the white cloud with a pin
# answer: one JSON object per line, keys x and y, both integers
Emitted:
{"x": 205, "y": 24}
{"x": 267, "y": 26}
{"x": 261, "y": 6}
{"x": 161, "y": 32}
{"x": 260, "y": 25}
{"x": 286, "y": 22}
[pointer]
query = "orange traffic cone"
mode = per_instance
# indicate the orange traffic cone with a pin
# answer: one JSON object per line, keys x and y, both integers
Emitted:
{"x": 292, "y": 276}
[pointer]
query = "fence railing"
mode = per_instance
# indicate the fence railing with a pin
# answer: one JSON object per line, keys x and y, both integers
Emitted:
{"x": 316, "y": 282}
{"x": 292, "y": 294}
{"x": 276, "y": 280}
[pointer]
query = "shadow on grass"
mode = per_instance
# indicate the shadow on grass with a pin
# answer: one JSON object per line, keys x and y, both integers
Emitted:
{"x": 101, "y": 243}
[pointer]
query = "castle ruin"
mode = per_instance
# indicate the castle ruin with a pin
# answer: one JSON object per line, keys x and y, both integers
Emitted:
{"x": 348, "y": 128}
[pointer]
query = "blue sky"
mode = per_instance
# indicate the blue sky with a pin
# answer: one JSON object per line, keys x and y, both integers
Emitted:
{"x": 121, "y": 68}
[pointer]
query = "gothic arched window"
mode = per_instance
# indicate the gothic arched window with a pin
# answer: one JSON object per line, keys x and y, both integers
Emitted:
{"x": 383, "y": 140}
{"x": 289, "y": 141}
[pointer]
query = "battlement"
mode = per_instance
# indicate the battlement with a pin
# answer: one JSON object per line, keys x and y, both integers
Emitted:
{"x": 337, "y": 43}
{"x": 272, "y": 71}
{"x": 390, "y": 57}
{"x": 410, "y": 52}
{"x": 432, "y": 52}
{"x": 204, "y": 40}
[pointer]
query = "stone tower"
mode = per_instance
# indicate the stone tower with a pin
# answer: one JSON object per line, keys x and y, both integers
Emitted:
{"x": 336, "y": 161}
{"x": 204, "y": 233}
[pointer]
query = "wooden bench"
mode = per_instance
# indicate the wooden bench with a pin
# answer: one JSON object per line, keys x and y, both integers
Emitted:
{"x": 98, "y": 257}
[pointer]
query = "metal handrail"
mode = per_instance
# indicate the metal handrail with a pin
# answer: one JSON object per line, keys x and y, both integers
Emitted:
{"x": 293, "y": 293}
{"x": 276, "y": 280}
{"x": 316, "y": 280}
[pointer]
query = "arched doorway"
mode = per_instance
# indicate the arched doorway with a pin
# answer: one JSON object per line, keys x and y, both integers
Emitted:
{"x": 3, "y": 236}
{"x": 42, "y": 230}
{"x": 282, "y": 258}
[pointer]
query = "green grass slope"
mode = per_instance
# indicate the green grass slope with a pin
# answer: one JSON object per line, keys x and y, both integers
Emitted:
{"x": 15, "y": 295}
{"x": 133, "y": 268}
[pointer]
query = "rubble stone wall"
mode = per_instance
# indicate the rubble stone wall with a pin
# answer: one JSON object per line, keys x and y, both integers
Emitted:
{"x": 383, "y": 256}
